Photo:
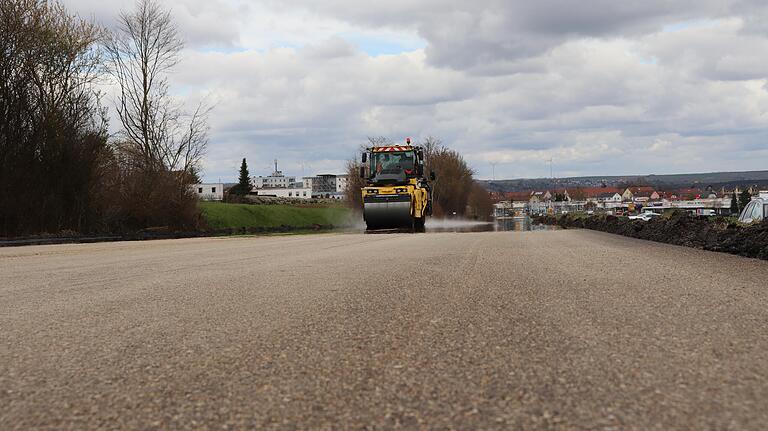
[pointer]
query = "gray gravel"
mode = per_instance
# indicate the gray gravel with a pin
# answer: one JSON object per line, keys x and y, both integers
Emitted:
{"x": 544, "y": 330}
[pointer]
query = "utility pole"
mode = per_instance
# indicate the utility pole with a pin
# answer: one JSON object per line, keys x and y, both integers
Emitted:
{"x": 551, "y": 171}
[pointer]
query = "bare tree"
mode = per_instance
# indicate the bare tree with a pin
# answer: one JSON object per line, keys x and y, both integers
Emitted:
{"x": 158, "y": 134}
{"x": 450, "y": 193}
{"x": 378, "y": 141}
{"x": 355, "y": 183}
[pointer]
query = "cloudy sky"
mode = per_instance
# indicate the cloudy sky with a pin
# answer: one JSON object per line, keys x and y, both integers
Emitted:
{"x": 600, "y": 86}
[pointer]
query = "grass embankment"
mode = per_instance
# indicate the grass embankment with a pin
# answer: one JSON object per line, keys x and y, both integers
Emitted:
{"x": 278, "y": 218}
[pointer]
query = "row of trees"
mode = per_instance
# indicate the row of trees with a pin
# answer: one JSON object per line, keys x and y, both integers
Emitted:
{"x": 455, "y": 193}
{"x": 53, "y": 130}
{"x": 59, "y": 168}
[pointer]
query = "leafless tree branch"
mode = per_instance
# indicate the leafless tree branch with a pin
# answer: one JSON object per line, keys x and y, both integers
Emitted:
{"x": 145, "y": 47}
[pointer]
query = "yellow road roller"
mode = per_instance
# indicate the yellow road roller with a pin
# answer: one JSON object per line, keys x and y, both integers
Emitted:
{"x": 397, "y": 194}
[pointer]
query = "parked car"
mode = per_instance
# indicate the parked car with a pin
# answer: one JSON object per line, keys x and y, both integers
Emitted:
{"x": 644, "y": 216}
{"x": 755, "y": 211}
{"x": 650, "y": 216}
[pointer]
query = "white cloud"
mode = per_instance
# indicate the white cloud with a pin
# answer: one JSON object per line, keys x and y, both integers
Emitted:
{"x": 603, "y": 87}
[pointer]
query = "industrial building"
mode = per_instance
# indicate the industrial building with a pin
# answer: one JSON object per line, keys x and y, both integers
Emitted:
{"x": 326, "y": 186}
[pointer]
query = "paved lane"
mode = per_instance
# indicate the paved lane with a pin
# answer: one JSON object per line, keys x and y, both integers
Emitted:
{"x": 564, "y": 329}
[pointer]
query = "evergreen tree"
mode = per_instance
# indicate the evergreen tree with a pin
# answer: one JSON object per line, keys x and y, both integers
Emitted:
{"x": 745, "y": 199}
{"x": 735, "y": 209}
{"x": 243, "y": 186}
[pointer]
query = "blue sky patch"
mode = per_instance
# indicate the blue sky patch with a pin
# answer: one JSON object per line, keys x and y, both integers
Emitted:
{"x": 375, "y": 46}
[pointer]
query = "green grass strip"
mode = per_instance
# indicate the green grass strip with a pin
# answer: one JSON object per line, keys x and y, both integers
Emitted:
{"x": 223, "y": 215}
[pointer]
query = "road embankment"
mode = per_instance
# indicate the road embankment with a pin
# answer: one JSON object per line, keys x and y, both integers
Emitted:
{"x": 219, "y": 219}
{"x": 679, "y": 228}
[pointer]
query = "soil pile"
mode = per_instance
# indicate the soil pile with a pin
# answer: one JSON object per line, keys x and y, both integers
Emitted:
{"x": 679, "y": 228}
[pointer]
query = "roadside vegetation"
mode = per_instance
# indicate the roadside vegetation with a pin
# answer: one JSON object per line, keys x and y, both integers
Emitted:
{"x": 53, "y": 129}
{"x": 722, "y": 234}
{"x": 245, "y": 217}
{"x": 59, "y": 168}
{"x": 455, "y": 193}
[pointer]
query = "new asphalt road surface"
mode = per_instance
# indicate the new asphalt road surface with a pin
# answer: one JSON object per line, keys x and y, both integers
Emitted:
{"x": 533, "y": 330}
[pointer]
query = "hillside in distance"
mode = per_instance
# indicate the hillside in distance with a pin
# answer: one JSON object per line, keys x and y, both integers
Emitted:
{"x": 717, "y": 180}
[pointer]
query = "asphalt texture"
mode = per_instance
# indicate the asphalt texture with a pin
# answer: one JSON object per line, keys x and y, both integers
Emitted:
{"x": 533, "y": 330}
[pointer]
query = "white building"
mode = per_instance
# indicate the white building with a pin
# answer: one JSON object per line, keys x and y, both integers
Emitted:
{"x": 696, "y": 206}
{"x": 285, "y": 192}
{"x": 208, "y": 191}
{"x": 276, "y": 180}
{"x": 341, "y": 183}
{"x": 328, "y": 186}
{"x": 503, "y": 209}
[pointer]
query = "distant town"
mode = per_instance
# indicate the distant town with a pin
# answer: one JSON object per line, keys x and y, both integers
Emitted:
{"x": 618, "y": 201}
{"x": 716, "y": 193}
{"x": 279, "y": 185}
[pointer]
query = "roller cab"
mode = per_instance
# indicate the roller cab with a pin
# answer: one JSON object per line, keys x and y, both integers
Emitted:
{"x": 397, "y": 195}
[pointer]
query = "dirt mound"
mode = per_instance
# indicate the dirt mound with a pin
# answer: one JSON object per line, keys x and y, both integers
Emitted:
{"x": 679, "y": 228}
